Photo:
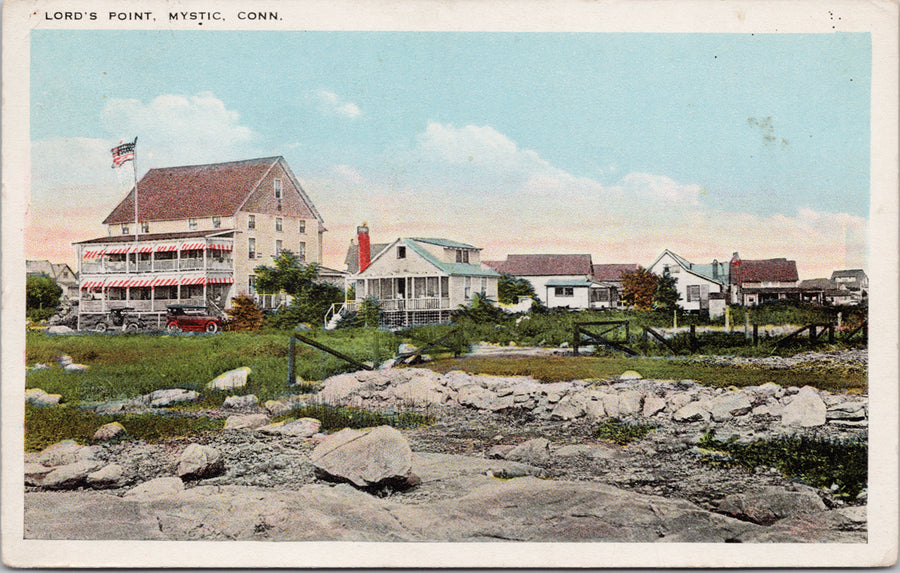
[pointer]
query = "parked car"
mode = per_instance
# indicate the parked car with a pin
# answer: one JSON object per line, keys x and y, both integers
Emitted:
{"x": 124, "y": 319}
{"x": 191, "y": 318}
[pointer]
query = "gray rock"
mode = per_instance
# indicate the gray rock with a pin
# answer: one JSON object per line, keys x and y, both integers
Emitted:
{"x": 568, "y": 408}
{"x": 248, "y": 402}
{"x": 302, "y": 428}
{"x": 245, "y": 422}
{"x": 630, "y": 402}
{"x": 69, "y": 476}
{"x": 723, "y": 408}
{"x": 171, "y": 396}
{"x": 594, "y": 410}
{"x": 847, "y": 411}
{"x": 35, "y": 473}
{"x": 111, "y": 475}
{"x": 807, "y": 409}
{"x": 38, "y": 397}
{"x": 59, "y": 329}
{"x": 480, "y": 398}
{"x": 65, "y": 452}
{"x": 365, "y": 458}
{"x": 534, "y": 452}
{"x": 693, "y": 412}
{"x": 164, "y": 487}
{"x": 653, "y": 404}
{"x": 198, "y": 462}
{"x": 573, "y": 451}
{"x": 770, "y": 504}
{"x": 109, "y": 431}
{"x": 75, "y": 368}
{"x": 230, "y": 380}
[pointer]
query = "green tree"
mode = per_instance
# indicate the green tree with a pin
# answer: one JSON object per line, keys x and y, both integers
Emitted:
{"x": 639, "y": 288}
{"x": 244, "y": 313}
{"x": 310, "y": 298}
{"x": 511, "y": 289}
{"x": 666, "y": 296}
{"x": 42, "y": 295}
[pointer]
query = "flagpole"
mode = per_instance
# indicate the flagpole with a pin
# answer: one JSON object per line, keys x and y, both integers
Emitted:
{"x": 136, "y": 221}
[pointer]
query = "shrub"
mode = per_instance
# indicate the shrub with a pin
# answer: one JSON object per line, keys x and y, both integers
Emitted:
{"x": 337, "y": 418}
{"x": 622, "y": 432}
{"x": 244, "y": 313}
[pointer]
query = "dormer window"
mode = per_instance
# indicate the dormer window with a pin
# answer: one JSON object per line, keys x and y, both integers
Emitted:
{"x": 145, "y": 227}
{"x": 401, "y": 252}
{"x": 462, "y": 256}
{"x": 277, "y": 189}
{"x": 125, "y": 229}
{"x": 192, "y": 224}
{"x": 217, "y": 222}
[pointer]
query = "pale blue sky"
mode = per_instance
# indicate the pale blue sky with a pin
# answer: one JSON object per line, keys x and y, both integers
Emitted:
{"x": 762, "y": 126}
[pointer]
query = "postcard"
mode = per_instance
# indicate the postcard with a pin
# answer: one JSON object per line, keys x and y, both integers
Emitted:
{"x": 442, "y": 283}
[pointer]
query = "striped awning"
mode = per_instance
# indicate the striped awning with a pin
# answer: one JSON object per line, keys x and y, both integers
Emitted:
{"x": 140, "y": 283}
{"x": 193, "y": 246}
{"x": 164, "y": 281}
{"x": 91, "y": 285}
{"x": 143, "y": 249}
{"x": 167, "y": 248}
{"x": 221, "y": 247}
{"x": 92, "y": 253}
{"x": 193, "y": 280}
{"x": 220, "y": 280}
{"x": 118, "y": 250}
{"x": 117, "y": 283}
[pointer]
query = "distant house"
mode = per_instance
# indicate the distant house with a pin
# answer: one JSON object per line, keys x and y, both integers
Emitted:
{"x": 854, "y": 280}
{"x": 825, "y": 291}
{"x": 702, "y": 287}
{"x": 607, "y": 279}
{"x": 421, "y": 280}
{"x": 756, "y": 282}
{"x": 61, "y": 273}
{"x": 553, "y": 277}
{"x": 351, "y": 261}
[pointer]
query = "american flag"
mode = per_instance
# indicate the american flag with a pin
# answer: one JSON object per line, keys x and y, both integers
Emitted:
{"x": 123, "y": 152}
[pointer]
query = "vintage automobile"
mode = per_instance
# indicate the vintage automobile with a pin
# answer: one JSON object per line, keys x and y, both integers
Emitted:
{"x": 191, "y": 318}
{"x": 124, "y": 319}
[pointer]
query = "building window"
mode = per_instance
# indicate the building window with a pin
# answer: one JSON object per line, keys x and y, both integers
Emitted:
{"x": 279, "y": 224}
{"x": 462, "y": 256}
{"x": 693, "y": 293}
{"x": 278, "y": 247}
{"x": 484, "y": 285}
{"x": 251, "y": 284}
{"x": 467, "y": 283}
{"x": 145, "y": 227}
{"x": 251, "y": 221}
{"x": 564, "y": 291}
{"x": 302, "y": 228}
{"x": 401, "y": 252}
{"x": 251, "y": 248}
{"x": 192, "y": 224}
{"x": 277, "y": 188}
{"x": 125, "y": 230}
{"x": 301, "y": 252}
{"x": 217, "y": 222}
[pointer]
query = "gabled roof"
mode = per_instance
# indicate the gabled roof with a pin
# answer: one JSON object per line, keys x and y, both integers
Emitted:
{"x": 450, "y": 269}
{"x": 543, "y": 265}
{"x": 818, "y": 284}
{"x": 767, "y": 270}
{"x": 611, "y": 272}
{"x": 857, "y": 274}
{"x": 444, "y": 243}
{"x": 56, "y": 271}
{"x": 702, "y": 271}
{"x": 197, "y": 191}
{"x": 352, "y": 258}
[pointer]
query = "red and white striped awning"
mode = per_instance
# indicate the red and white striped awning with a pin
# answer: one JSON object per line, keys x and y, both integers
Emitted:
{"x": 221, "y": 247}
{"x": 92, "y": 253}
{"x": 117, "y": 283}
{"x": 193, "y": 280}
{"x": 143, "y": 249}
{"x": 118, "y": 250}
{"x": 164, "y": 281}
{"x": 139, "y": 283}
{"x": 91, "y": 285}
{"x": 220, "y": 280}
{"x": 167, "y": 248}
{"x": 193, "y": 246}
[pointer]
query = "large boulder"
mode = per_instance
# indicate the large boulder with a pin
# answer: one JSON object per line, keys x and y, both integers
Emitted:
{"x": 198, "y": 462}
{"x": 694, "y": 412}
{"x": 111, "y": 475}
{"x": 807, "y": 409}
{"x": 69, "y": 476}
{"x": 248, "y": 402}
{"x": 109, "y": 431}
{"x": 770, "y": 504}
{"x": 366, "y": 458}
{"x": 245, "y": 421}
{"x": 723, "y": 408}
{"x": 65, "y": 452}
{"x": 230, "y": 380}
{"x": 302, "y": 428}
{"x": 534, "y": 452}
{"x": 38, "y": 397}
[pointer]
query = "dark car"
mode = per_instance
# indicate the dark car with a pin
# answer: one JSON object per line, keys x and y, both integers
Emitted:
{"x": 191, "y": 318}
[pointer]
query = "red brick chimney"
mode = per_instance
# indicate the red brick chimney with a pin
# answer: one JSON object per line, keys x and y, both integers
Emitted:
{"x": 365, "y": 249}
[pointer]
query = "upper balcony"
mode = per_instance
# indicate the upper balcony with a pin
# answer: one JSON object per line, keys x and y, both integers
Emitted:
{"x": 155, "y": 257}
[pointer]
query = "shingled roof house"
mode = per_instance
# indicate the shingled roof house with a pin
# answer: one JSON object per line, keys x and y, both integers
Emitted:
{"x": 421, "y": 280}
{"x": 756, "y": 282}
{"x": 203, "y": 229}
{"x": 558, "y": 280}
{"x": 61, "y": 274}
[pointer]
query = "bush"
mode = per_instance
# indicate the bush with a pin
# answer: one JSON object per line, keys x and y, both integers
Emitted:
{"x": 621, "y": 432}
{"x": 336, "y": 418}
{"x": 244, "y": 314}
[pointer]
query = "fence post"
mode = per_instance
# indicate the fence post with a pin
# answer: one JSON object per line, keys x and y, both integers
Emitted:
{"x": 840, "y": 318}
{"x": 755, "y": 334}
{"x": 693, "y": 338}
{"x": 746, "y": 323}
{"x": 812, "y": 334}
{"x": 830, "y": 333}
{"x": 290, "y": 373}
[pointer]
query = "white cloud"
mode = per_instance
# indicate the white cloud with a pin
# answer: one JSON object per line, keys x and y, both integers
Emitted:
{"x": 181, "y": 130}
{"x": 329, "y": 103}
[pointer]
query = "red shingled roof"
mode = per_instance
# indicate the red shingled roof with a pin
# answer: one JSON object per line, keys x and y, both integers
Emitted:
{"x": 612, "y": 272}
{"x": 542, "y": 265}
{"x": 193, "y": 191}
{"x": 767, "y": 270}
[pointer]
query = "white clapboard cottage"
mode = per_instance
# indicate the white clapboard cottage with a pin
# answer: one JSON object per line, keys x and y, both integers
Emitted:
{"x": 421, "y": 280}
{"x": 202, "y": 231}
{"x": 702, "y": 287}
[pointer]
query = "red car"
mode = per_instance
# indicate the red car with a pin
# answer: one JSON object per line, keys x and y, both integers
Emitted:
{"x": 191, "y": 318}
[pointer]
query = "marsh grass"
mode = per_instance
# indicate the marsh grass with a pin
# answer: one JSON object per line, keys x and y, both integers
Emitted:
{"x": 622, "y": 432}
{"x": 337, "y": 418}
{"x": 819, "y": 463}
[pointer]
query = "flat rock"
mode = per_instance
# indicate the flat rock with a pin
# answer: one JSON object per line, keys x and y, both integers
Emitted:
{"x": 110, "y": 475}
{"x": 248, "y": 402}
{"x": 693, "y": 412}
{"x": 230, "y": 380}
{"x": 38, "y": 397}
{"x": 164, "y": 487}
{"x": 170, "y": 396}
{"x": 723, "y": 408}
{"x": 365, "y": 458}
{"x": 245, "y": 421}
{"x": 770, "y": 504}
{"x": 69, "y": 476}
{"x": 65, "y": 452}
{"x": 534, "y": 452}
{"x": 302, "y": 428}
